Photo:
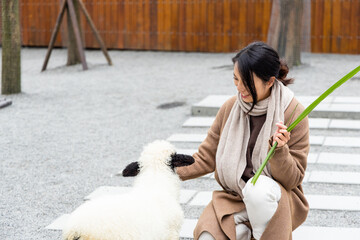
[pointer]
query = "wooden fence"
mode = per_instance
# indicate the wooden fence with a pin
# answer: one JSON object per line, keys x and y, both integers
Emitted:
{"x": 335, "y": 26}
{"x": 191, "y": 25}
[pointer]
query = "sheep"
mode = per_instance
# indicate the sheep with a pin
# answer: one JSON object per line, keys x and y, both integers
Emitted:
{"x": 151, "y": 210}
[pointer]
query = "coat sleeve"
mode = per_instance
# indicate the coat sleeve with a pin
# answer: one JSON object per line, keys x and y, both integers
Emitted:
{"x": 289, "y": 161}
{"x": 205, "y": 157}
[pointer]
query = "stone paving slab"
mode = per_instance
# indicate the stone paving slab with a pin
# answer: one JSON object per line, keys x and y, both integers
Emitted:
{"x": 186, "y": 151}
{"x": 337, "y": 107}
{"x": 198, "y": 138}
{"x": 314, "y": 158}
{"x": 201, "y": 198}
{"x": 209, "y": 175}
{"x": 306, "y": 100}
{"x": 188, "y": 227}
{"x": 314, "y": 123}
{"x": 335, "y": 177}
{"x": 323, "y": 202}
{"x": 107, "y": 190}
{"x": 58, "y": 224}
{"x": 328, "y": 233}
{"x": 306, "y": 177}
{"x": 323, "y": 177}
{"x": 342, "y": 142}
{"x": 218, "y": 100}
{"x": 184, "y": 137}
{"x": 347, "y": 100}
{"x": 339, "y": 158}
{"x": 344, "y": 124}
{"x": 334, "y": 202}
{"x": 185, "y": 195}
{"x": 185, "y": 232}
{"x": 199, "y": 122}
{"x": 301, "y": 233}
{"x": 212, "y": 176}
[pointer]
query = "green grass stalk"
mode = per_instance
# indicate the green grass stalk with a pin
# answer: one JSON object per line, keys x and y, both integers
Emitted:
{"x": 302, "y": 116}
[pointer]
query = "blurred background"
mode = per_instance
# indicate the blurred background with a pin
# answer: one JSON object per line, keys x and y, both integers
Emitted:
{"x": 327, "y": 26}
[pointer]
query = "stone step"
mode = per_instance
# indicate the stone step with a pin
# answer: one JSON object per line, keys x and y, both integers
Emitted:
{"x": 301, "y": 233}
{"x": 335, "y": 177}
{"x": 202, "y": 198}
{"x": 347, "y": 142}
{"x": 185, "y": 195}
{"x": 198, "y": 138}
{"x": 313, "y": 158}
{"x": 314, "y": 123}
{"x": 331, "y": 107}
{"x": 331, "y": 177}
{"x": 318, "y": 202}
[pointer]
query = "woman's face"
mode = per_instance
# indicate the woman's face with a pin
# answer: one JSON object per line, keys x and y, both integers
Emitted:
{"x": 262, "y": 89}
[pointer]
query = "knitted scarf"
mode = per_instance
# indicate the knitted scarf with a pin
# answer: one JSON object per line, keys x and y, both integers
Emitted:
{"x": 232, "y": 147}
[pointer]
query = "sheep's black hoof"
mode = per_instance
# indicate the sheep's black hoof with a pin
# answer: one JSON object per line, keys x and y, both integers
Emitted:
{"x": 131, "y": 170}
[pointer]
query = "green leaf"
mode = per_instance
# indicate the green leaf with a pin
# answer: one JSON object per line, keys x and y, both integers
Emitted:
{"x": 303, "y": 115}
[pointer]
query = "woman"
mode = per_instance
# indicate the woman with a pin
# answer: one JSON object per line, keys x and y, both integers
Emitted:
{"x": 244, "y": 130}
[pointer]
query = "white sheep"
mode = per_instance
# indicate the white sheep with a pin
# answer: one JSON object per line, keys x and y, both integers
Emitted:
{"x": 150, "y": 211}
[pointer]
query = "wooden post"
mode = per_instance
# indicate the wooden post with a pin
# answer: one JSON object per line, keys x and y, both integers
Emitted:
{"x": 75, "y": 25}
{"x": 285, "y": 29}
{"x": 73, "y": 21}
{"x": 73, "y": 56}
{"x": 11, "y": 48}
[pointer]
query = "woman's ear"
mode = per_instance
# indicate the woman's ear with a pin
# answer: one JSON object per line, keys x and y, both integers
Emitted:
{"x": 271, "y": 82}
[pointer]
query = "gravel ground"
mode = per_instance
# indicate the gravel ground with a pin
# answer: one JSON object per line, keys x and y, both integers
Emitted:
{"x": 70, "y": 131}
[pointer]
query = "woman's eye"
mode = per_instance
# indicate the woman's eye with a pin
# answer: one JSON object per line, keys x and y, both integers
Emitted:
{"x": 235, "y": 79}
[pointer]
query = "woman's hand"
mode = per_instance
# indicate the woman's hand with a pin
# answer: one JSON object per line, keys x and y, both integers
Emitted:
{"x": 282, "y": 136}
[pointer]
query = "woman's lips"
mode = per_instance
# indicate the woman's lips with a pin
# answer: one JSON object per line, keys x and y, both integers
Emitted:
{"x": 244, "y": 96}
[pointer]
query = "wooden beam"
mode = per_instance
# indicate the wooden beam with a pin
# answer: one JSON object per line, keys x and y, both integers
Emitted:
{"x": 96, "y": 33}
{"x": 54, "y": 34}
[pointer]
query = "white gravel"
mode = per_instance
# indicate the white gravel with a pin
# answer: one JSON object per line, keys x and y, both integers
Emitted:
{"x": 70, "y": 131}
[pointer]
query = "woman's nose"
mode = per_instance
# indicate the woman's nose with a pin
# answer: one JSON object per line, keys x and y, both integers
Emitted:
{"x": 240, "y": 87}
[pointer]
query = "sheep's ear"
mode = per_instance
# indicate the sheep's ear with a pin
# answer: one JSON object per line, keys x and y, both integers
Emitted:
{"x": 131, "y": 170}
{"x": 180, "y": 160}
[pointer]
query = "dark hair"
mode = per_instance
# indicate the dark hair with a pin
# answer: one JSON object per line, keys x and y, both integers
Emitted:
{"x": 264, "y": 61}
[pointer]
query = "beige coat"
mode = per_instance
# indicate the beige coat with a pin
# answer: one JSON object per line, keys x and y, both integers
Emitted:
{"x": 287, "y": 167}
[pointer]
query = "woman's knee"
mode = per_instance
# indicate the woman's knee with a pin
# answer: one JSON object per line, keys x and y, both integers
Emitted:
{"x": 265, "y": 190}
{"x": 261, "y": 201}
{"x": 206, "y": 236}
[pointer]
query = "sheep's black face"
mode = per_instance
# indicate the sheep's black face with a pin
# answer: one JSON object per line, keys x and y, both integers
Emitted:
{"x": 181, "y": 160}
{"x": 131, "y": 170}
{"x": 177, "y": 160}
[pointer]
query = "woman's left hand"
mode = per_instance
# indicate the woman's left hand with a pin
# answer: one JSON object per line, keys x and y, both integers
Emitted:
{"x": 282, "y": 136}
